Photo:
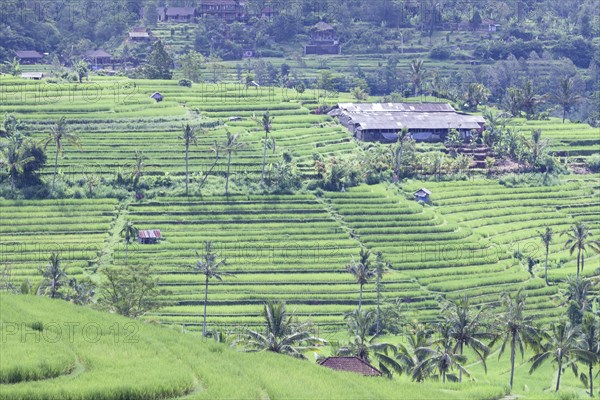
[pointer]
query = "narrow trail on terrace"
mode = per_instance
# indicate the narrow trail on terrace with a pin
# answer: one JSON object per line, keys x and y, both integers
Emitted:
{"x": 112, "y": 241}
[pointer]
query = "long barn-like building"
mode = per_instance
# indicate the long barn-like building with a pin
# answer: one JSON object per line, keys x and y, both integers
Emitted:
{"x": 424, "y": 121}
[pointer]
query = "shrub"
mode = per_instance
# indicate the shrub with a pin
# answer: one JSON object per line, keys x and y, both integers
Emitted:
{"x": 440, "y": 52}
{"x": 185, "y": 83}
{"x": 594, "y": 163}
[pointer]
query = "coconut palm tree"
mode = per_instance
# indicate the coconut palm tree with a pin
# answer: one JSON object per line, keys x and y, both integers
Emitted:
{"x": 215, "y": 148}
{"x": 576, "y": 293}
{"x": 407, "y": 355}
{"x": 130, "y": 232}
{"x": 209, "y": 267}
{"x": 467, "y": 328}
{"x": 536, "y": 146}
{"x": 361, "y": 272}
{"x": 565, "y": 95}
{"x": 440, "y": 357}
{"x": 60, "y": 135}
{"x": 547, "y": 240}
{"x": 367, "y": 348}
{"x": 14, "y": 157}
{"x": 579, "y": 238}
{"x": 266, "y": 123}
{"x": 590, "y": 342}
{"x": 282, "y": 334}
{"x": 563, "y": 349}
{"x": 231, "y": 147}
{"x": 417, "y": 74}
{"x": 530, "y": 100}
{"x": 380, "y": 268}
{"x": 515, "y": 329}
{"x": 189, "y": 137}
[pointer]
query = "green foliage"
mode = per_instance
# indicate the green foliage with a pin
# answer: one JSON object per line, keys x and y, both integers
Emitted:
{"x": 159, "y": 64}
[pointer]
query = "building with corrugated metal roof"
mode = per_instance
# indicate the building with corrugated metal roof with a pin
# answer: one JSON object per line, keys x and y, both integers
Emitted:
{"x": 149, "y": 236}
{"x": 424, "y": 121}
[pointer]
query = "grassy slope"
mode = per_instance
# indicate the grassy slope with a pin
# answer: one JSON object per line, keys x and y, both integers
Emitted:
{"x": 108, "y": 357}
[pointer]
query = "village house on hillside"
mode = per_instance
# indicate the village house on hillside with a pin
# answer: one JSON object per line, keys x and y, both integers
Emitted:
{"x": 228, "y": 10}
{"x": 425, "y": 121}
{"x": 323, "y": 40}
{"x": 29, "y": 56}
{"x": 350, "y": 364}
{"x": 176, "y": 14}
{"x": 97, "y": 57}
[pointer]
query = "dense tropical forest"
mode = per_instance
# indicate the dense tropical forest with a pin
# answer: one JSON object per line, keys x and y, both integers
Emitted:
{"x": 186, "y": 212}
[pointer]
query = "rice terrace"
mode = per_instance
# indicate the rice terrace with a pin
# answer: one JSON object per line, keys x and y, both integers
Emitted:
{"x": 218, "y": 199}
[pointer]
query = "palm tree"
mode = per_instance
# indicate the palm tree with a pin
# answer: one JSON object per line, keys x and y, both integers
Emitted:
{"x": 54, "y": 277}
{"x": 209, "y": 267}
{"x": 530, "y": 100}
{"x": 137, "y": 168}
{"x": 281, "y": 334}
{"x": 366, "y": 348}
{"x": 361, "y": 272}
{"x": 380, "y": 268}
{"x": 440, "y": 357}
{"x": 409, "y": 358}
{"x": 129, "y": 231}
{"x": 579, "y": 237}
{"x": 398, "y": 149}
{"x": 215, "y": 148}
{"x": 189, "y": 137}
{"x": 577, "y": 292}
{"x": 266, "y": 123}
{"x": 59, "y": 135}
{"x": 515, "y": 328}
{"x": 467, "y": 326}
{"x": 14, "y": 157}
{"x": 565, "y": 95}
{"x": 590, "y": 342}
{"x": 546, "y": 239}
{"x": 417, "y": 74}
{"x": 563, "y": 349}
{"x": 536, "y": 146}
{"x": 231, "y": 147}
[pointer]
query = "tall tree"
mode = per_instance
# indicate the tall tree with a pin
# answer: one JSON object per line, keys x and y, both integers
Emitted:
{"x": 60, "y": 135}
{"x": 590, "y": 343}
{"x": 137, "y": 168}
{"x": 408, "y": 356}
{"x": 515, "y": 329}
{"x": 467, "y": 328}
{"x": 266, "y": 123}
{"x": 536, "y": 147}
{"x": 81, "y": 68}
{"x": 380, "y": 268}
{"x": 281, "y": 334}
{"x": 476, "y": 94}
{"x": 529, "y": 99}
{"x": 565, "y": 95}
{"x": 418, "y": 74}
{"x": 189, "y": 137}
{"x": 546, "y": 238}
{"x": 160, "y": 63}
{"x": 563, "y": 349}
{"x": 208, "y": 265}
{"x": 54, "y": 277}
{"x": 129, "y": 231}
{"x": 361, "y": 272}
{"x": 579, "y": 238}
{"x": 232, "y": 145}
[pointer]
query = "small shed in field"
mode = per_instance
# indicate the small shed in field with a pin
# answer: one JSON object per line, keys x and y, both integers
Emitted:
{"x": 32, "y": 75}
{"x": 157, "y": 96}
{"x": 350, "y": 364}
{"x": 422, "y": 195}
{"x": 149, "y": 236}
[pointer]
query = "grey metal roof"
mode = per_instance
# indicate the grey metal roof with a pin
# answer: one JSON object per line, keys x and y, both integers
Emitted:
{"x": 414, "y": 120}
{"x": 28, "y": 54}
{"x": 395, "y": 107}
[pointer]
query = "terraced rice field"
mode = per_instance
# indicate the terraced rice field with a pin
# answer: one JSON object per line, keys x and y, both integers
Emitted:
{"x": 30, "y": 231}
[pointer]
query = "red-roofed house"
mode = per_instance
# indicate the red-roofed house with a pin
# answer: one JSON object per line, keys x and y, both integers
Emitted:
{"x": 29, "y": 56}
{"x": 149, "y": 236}
{"x": 350, "y": 364}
